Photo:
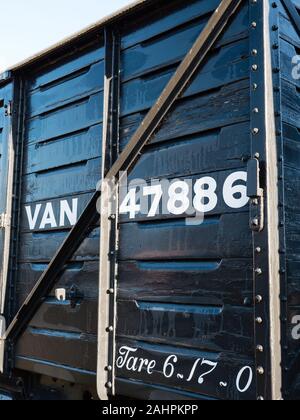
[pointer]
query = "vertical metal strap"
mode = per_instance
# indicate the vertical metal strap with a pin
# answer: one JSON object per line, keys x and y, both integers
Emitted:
{"x": 266, "y": 241}
{"x": 109, "y": 222}
{"x": 9, "y": 198}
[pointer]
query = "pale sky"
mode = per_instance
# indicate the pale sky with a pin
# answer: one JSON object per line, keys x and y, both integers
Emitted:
{"x": 28, "y": 26}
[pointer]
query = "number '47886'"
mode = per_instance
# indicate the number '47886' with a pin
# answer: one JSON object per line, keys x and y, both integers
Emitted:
{"x": 185, "y": 196}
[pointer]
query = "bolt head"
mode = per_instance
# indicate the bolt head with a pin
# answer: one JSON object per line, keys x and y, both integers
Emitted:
{"x": 260, "y": 370}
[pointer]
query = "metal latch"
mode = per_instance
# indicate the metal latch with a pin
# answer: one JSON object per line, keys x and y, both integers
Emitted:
{"x": 74, "y": 295}
{"x": 4, "y": 220}
{"x": 256, "y": 195}
{"x": 8, "y": 109}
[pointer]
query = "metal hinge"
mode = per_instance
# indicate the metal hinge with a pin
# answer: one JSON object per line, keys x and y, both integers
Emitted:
{"x": 4, "y": 220}
{"x": 256, "y": 195}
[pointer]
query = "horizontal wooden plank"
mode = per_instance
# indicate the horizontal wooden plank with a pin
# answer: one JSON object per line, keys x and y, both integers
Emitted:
{"x": 240, "y": 201}
{"x": 81, "y": 84}
{"x": 222, "y": 107}
{"x": 226, "y": 237}
{"x": 213, "y": 283}
{"x": 292, "y": 192}
{"x": 69, "y": 349}
{"x": 219, "y": 149}
{"x": 81, "y": 177}
{"x": 290, "y": 104}
{"x": 223, "y": 66}
{"x": 81, "y": 146}
{"x": 288, "y": 66}
{"x": 287, "y": 28}
{"x": 41, "y": 247}
{"x": 57, "y": 371}
{"x": 32, "y": 214}
{"x": 69, "y": 119}
{"x": 171, "y": 15}
{"x": 161, "y": 52}
{"x": 84, "y": 275}
{"x": 221, "y": 381}
{"x": 55, "y": 315}
{"x": 213, "y": 328}
{"x": 291, "y": 146}
{"x": 65, "y": 69}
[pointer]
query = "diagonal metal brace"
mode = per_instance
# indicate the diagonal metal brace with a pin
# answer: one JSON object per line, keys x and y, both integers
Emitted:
{"x": 127, "y": 159}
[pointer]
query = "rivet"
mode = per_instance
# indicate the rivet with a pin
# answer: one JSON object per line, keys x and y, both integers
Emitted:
{"x": 256, "y": 110}
{"x": 257, "y": 155}
{"x": 255, "y": 222}
{"x": 274, "y": 5}
{"x": 260, "y": 399}
{"x": 110, "y": 329}
{"x": 275, "y": 46}
{"x": 255, "y": 131}
{"x": 259, "y": 299}
{"x": 247, "y": 302}
{"x": 254, "y": 24}
{"x": 276, "y": 70}
{"x": 108, "y": 368}
{"x": 258, "y": 250}
{"x": 260, "y": 370}
{"x": 254, "y": 67}
{"x": 255, "y": 201}
{"x": 275, "y": 28}
{"x": 258, "y": 271}
{"x": 259, "y": 320}
{"x": 260, "y": 348}
{"x": 255, "y": 86}
{"x": 110, "y": 291}
{"x": 254, "y": 52}
{"x": 109, "y": 385}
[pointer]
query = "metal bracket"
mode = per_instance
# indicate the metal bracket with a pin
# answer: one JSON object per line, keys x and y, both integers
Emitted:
{"x": 4, "y": 220}
{"x": 8, "y": 109}
{"x": 256, "y": 193}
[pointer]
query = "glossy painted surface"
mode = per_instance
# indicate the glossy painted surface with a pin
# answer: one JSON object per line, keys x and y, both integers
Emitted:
{"x": 185, "y": 290}
{"x": 61, "y": 167}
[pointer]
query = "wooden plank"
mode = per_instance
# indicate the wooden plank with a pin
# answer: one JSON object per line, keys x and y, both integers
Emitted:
{"x": 207, "y": 328}
{"x": 173, "y": 240}
{"x": 220, "y": 384}
{"x": 43, "y": 345}
{"x": 223, "y": 107}
{"x": 200, "y": 282}
{"x": 40, "y": 247}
